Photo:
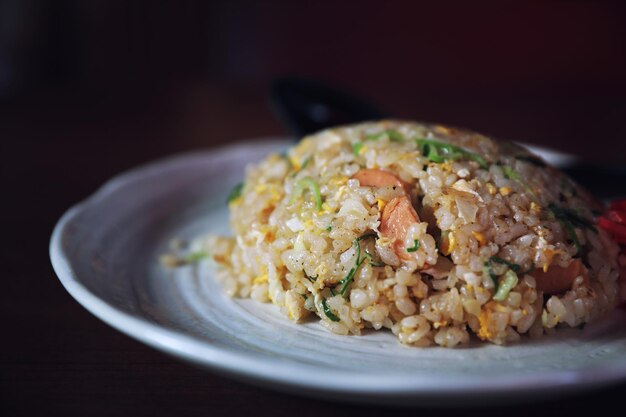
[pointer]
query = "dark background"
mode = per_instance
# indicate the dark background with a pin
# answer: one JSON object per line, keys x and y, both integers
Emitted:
{"x": 91, "y": 88}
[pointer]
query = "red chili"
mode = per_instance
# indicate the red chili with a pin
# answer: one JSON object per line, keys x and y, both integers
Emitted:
{"x": 617, "y": 216}
{"x": 619, "y": 205}
{"x": 617, "y": 230}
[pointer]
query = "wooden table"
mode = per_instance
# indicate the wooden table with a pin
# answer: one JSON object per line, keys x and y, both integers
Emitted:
{"x": 55, "y": 357}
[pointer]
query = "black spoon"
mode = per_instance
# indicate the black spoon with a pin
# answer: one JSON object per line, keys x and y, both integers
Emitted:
{"x": 305, "y": 106}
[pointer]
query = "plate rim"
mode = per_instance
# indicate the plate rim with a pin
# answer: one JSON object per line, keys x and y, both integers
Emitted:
{"x": 276, "y": 372}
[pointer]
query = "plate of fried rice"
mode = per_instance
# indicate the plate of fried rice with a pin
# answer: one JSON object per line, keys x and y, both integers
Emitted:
{"x": 388, "y": 261}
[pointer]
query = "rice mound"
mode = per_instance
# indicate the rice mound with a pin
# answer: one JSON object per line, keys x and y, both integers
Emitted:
{"x": 499, "y": 243}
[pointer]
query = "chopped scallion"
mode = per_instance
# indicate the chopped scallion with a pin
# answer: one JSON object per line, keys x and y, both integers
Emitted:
{"x": 195, "y": 257}
{"x": 507, "y": 283}
{"x": 510, "y": 173}
{"x": 356, "y": 148}
{"x": 415, "y": 247}
{"x": 331, "y": 316}
{"x": 235, "y": 193}
{"x": 372, "y": 261}
{"x": 569, "y": 219}
{"x": 310, "y": 184}
{"x": 572, "y": 216}
{"x": 345, "y": 281}
{"x": 437, "y": 151}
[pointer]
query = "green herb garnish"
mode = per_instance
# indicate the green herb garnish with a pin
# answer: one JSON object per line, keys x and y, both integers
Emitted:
{"x": 415, "y": 247}
{"x": 235, "y": 193}
{"x": 511, "y": 174}
{"x": 437, "y": 151}
{"x": 507, "y": 283}
{"x": 328, "y": 312}
{"x": 372, "y": 261}
{"x": 345, "y": 281}
{"x": 569, "y": 219}
{"x": 195, "y": 257}
{"x": 512, "y": 267}
{"x": 393, "y": 135}
{"x": 329, "y": 228}
{"x": 572, "y": 216}
{"x": 310, "y": 184}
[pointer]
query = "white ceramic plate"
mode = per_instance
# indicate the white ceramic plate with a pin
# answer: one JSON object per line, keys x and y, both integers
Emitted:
{"x": 105, "y": 252}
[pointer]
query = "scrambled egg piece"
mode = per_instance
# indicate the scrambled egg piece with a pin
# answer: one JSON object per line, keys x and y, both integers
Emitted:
{"x": 479, "y": 237}
{"x": 484, "y": 333}
{"x": 505, "y": 191}
{"x": 260, "y": 279}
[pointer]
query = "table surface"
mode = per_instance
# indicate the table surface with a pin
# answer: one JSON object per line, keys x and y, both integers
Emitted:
{"x": 56, "y": 358}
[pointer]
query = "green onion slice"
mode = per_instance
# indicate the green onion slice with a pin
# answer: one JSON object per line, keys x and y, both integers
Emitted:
{"x": 511, "y": 174}
{"x": 393, "y": 135}
{"x": 310, "y": 184}
{"x": 344, "y": 284}
{"x": 507, "y": 283}
{"x": 415, "y": 247}
{"x": 437, "y": 151}
{"x": 328, "y": 312}
{"x": 569, "y": 219}
{"x": 572, "y": 216}
{"x": 195, "y": 257}
{"x": 235, "y": 193}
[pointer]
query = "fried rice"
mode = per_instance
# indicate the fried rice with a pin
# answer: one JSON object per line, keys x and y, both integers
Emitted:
{"x": 438, "y": 234}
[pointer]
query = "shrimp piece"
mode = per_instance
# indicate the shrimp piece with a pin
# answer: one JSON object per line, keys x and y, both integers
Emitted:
{"x": 558, "y": 279}
{"x": 378, "y": 178}
{"x": 398, "y": 215}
